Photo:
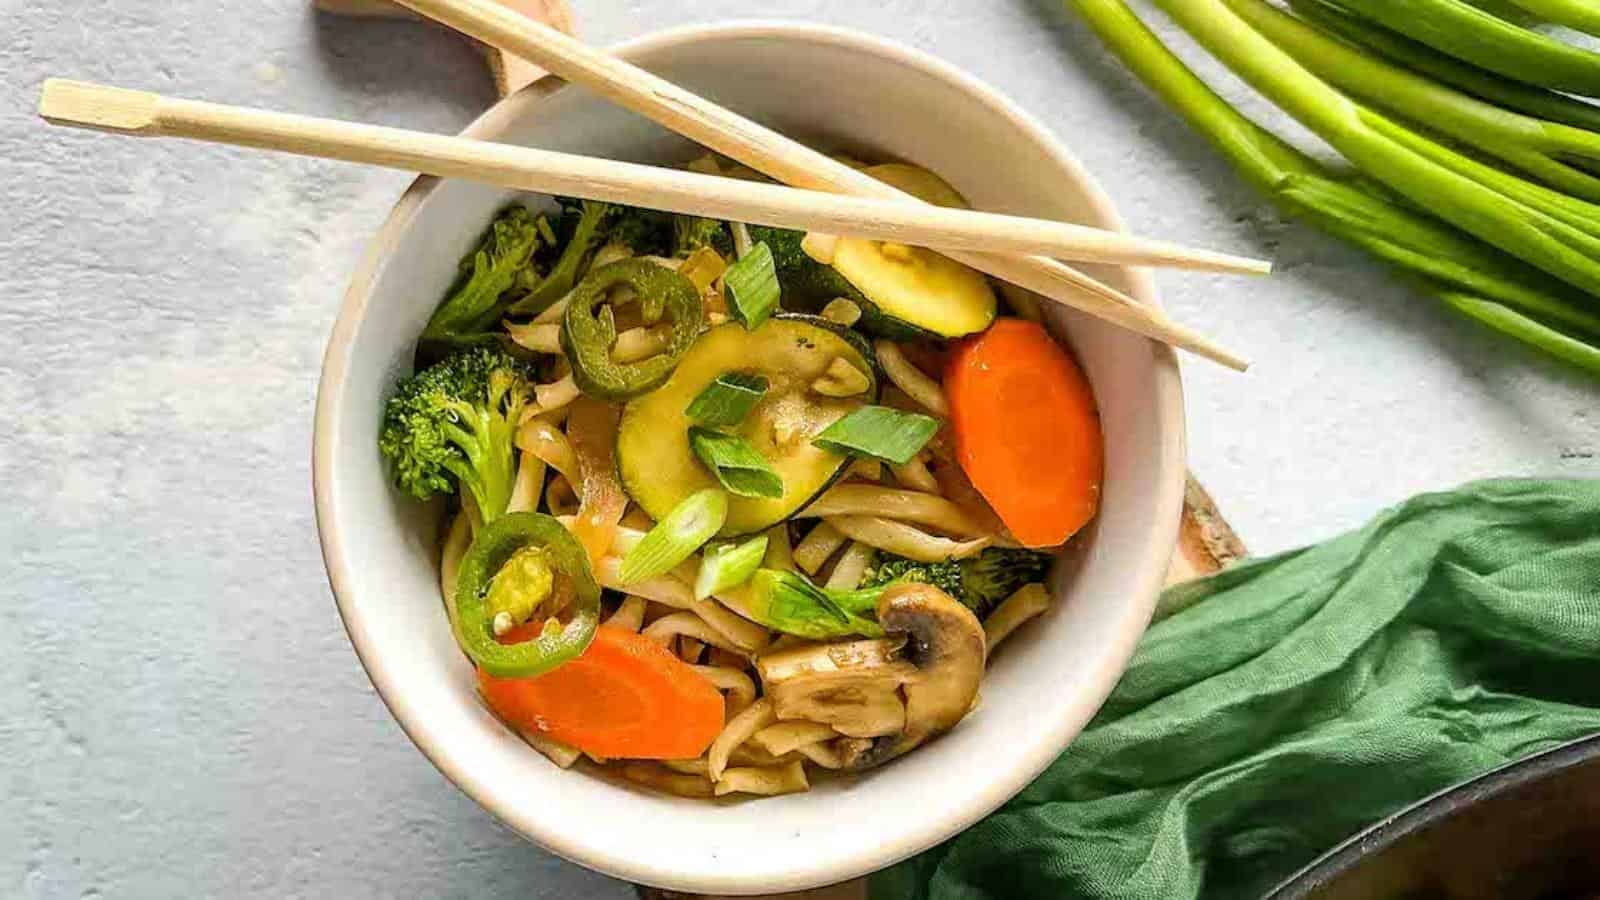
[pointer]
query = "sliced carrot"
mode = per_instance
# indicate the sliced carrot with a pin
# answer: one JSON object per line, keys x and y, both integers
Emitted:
{"x": 626, "y": 696}
{"x": 1026, "y": 430}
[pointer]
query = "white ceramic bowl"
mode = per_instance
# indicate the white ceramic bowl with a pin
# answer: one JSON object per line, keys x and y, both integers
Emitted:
{"x": 833, "y": 89}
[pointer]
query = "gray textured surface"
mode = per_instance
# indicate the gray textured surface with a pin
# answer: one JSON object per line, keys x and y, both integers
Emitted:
{"x": 180, "y": 714}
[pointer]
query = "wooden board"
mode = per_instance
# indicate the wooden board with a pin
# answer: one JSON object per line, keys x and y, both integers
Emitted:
{"x": 509, "y": 72}
{"x": 1206, "y": 543}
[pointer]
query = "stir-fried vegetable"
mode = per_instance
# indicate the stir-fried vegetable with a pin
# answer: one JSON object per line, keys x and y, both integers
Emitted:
{"x": 626, "y": 696}
{"x": 587, "y": 336}
{"x": 588, "y": 230}
{"x": 677, "y": 536}
{"x": 879, "y": 432}
{"x": 726, "y": 566}
{"x": 592, "y": 433}
{"x": 790, "y": 603}
{"x": 1530, "y": 304}
{"x": 453, "y": 425}
{"x": 728, "y": 399}
{"x": 1026, "y": 430}
{"x": 737, "y": 465}
{"x": 727, "y": 431}
{"x": 752, "y": 286}
{"x": 523, "y": 582}
{"x": 490, "y": 276}
{"x": 980, "y": 582}
{"x": 807, "y": 284}
{"x": 504, "y": 541}
{"x": 692, "y": 233}
{"x": 658, "y": 463}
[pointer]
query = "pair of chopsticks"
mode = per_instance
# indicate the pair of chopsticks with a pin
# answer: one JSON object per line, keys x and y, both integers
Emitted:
{"x": 837, "y": 199}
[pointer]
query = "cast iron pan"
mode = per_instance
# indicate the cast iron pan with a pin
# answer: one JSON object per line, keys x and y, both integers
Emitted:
{"x": 1529, "y": 830}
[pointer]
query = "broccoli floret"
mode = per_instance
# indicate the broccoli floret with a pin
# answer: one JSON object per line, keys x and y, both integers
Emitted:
{"x": 690, "y": 233}
{"x": 583, "y": 224}
{"x": 946, "y": 576}
{"x": 995, "y": 574}
{"x": 980, "y": 582}
{"x": 497, "y": 269}
{"x": 647, "y": 232}
{"x": 451, "y": 427}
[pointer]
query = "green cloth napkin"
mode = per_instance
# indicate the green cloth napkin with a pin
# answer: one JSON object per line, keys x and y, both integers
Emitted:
{"x": 1292, "y": 701}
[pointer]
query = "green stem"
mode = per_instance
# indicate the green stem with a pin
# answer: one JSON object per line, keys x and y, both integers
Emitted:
{"x": 1308, "y": 190}
{"x": 1513, "y": 324}
{"x": 1529, "y": 234}
{"x": 1583, "y": 15}
{"x": 1527, "y": 143}
{"x": 1482, "y": 38}
{"x": 1513, "y": 95}
{"x": 1581, "y": 215}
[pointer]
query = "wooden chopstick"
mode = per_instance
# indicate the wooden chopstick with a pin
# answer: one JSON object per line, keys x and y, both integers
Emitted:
{"x": 784, "y": 159}
{"x": 152, "y": 115}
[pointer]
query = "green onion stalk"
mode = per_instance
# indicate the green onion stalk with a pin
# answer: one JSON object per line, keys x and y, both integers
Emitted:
{"x": 1503, "y": 92}
{"x": 1478, "y": 36}
{"x": 1470, "y": 276}
{"x": 1537, "y": 147}
{"x": 1582, "y": 15}
{"x": 1496, "y": 208}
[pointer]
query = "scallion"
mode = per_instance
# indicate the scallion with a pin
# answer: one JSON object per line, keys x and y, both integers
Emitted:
{"x": 1515, "y": 95}
{"x": 727, "y": 399}
{"x": 729, "y": 565}
{"x": 1484, "y": 39}
{"x": 1525, "y": 220}
{"x": 740, "y": 468}
{"x": 1550, "y": 151}
{"x": 790, "y": 603}
{"x": 751, "y": 285}
{"x": 676, "y": 537}
{"x": 881, "y": 432}
{"x": 1580, "y": 14}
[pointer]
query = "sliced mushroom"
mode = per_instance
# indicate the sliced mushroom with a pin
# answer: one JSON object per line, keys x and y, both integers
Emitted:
{"x": 852, "y": 686}
{"x": 885, "y": 696}
{"x": 945, "y": 641}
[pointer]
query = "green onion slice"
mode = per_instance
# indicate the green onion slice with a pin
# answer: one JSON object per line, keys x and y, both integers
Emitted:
{"x": 880, "y": 432}
{"x": 752, "y": 286}
{"x": 728, "y": 399}
{"x": 675, "y": 538}
{"x": 738, "y": 465}
{"x": 790, "y": 603}
{"x": 727, "y": 566}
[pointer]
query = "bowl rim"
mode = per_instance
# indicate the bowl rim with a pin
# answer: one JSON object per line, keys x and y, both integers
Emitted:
{"x": 1144, "y": 587}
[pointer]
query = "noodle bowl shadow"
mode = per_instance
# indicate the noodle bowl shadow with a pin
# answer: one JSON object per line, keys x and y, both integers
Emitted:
{"x": 840, "y": 91}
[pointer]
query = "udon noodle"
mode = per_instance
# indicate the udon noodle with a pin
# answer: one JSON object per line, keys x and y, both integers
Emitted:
{"x": 794, "y": 704}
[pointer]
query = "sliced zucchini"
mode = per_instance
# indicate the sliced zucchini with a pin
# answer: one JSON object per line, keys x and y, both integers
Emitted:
{"x": 913, "y": 292}
{"x": 919, "y": 183}
{"x": 657, "y": 467}
{"x": 905, "y": 293}
{"x": 805, "y": 284}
